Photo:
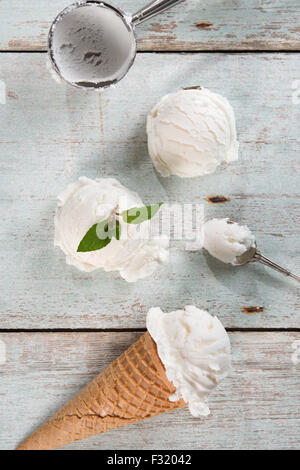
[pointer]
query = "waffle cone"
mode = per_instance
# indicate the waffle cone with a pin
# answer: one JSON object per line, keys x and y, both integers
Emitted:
{"x": 132, "y": 388}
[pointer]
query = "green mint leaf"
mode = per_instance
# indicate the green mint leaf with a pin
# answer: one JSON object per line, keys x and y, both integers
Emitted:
{"x": 137, "y": 215}
{"x": 97, "y": 237}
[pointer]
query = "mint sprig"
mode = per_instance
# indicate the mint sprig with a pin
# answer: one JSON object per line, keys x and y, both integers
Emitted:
{"x": 102, "y": 233}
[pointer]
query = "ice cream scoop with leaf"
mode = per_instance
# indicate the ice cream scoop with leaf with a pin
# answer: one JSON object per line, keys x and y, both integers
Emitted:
{"x": 101, "y": 224}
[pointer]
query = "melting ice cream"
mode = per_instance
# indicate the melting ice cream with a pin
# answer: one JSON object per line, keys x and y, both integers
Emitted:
{"x": 195, "y": 350}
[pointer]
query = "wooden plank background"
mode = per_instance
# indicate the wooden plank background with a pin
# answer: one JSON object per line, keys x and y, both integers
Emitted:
{"x": 63, "y": 133}
{"x": 256, "y": 407}
{"x": 195, "y": 25}
{"x": 51, "y": 133}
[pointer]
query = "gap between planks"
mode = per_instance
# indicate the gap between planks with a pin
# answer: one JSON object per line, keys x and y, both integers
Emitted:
{"x": 183, "y": 51}
{"x": 138, "y": 330}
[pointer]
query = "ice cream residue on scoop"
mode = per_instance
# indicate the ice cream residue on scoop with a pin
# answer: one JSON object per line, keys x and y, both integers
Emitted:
{"x": 87, "y": 202}
{"x": 226, "y": 240}
{"x": 191, "y": 132}
{"x": 92, "y": 45}
{"x": 195, "y": 350}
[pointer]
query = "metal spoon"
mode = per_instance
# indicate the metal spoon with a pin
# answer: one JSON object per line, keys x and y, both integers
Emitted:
{"x": 92, "y": 44}
{"x": 253, "y": 254}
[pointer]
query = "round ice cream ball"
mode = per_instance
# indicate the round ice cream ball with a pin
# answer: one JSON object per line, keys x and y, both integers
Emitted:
{"x": 195, "y": 350}
{"x": 87, "y": 202}
{"x": 225, "y": 240}
{"x": 191, "y": 132}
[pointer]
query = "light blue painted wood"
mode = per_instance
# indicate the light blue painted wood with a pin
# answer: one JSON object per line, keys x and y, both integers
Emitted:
{"x": 256, "y": 407}
{"x": 51, "y": 133}
{"x": 196, "y": 25}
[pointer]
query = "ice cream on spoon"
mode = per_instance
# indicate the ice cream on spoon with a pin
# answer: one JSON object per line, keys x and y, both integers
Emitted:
{"x": 226, "y": 240}
{"x": 235, "y": 244}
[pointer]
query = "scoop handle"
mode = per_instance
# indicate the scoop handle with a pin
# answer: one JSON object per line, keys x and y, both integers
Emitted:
{"x": 267, "y": 262}
{"x": 153, "y": 9}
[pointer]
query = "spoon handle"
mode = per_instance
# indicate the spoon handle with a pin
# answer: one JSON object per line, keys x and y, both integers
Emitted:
{"x": 262, "y": 259}
{"x": 153, "y": 9}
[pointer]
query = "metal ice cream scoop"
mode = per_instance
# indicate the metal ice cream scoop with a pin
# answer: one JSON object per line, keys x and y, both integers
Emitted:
{"x": 92, "y": 44}
{"x": 253, "y": 254}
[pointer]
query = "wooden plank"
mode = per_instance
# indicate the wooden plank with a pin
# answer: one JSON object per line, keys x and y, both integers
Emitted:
{"x": 256, "y": 407}
{"x": 51, "y": 133}
{"x": 196, "y": 25}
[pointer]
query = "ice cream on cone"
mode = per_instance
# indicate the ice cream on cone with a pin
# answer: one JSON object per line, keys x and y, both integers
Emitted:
{"x": 133, "y": 387}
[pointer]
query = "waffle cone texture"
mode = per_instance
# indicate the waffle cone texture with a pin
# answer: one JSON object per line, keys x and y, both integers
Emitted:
{"x": 132, "y": 388}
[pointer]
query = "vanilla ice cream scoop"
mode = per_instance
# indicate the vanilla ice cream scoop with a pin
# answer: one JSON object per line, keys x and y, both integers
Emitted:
{"x": 226, "y": 240}
{"x": 195, "y": 350}
{"x": 191, "y": 132}
{"x": 87, "y": 202}
{"x": 235, "y": 244}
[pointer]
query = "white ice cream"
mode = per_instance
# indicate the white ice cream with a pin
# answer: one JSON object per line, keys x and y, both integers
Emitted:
{"x": 191, "y": 132}
{"x": 195, "y": 350}
{"x": 86, "y": 202}
{"x": 226, "y": 240}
